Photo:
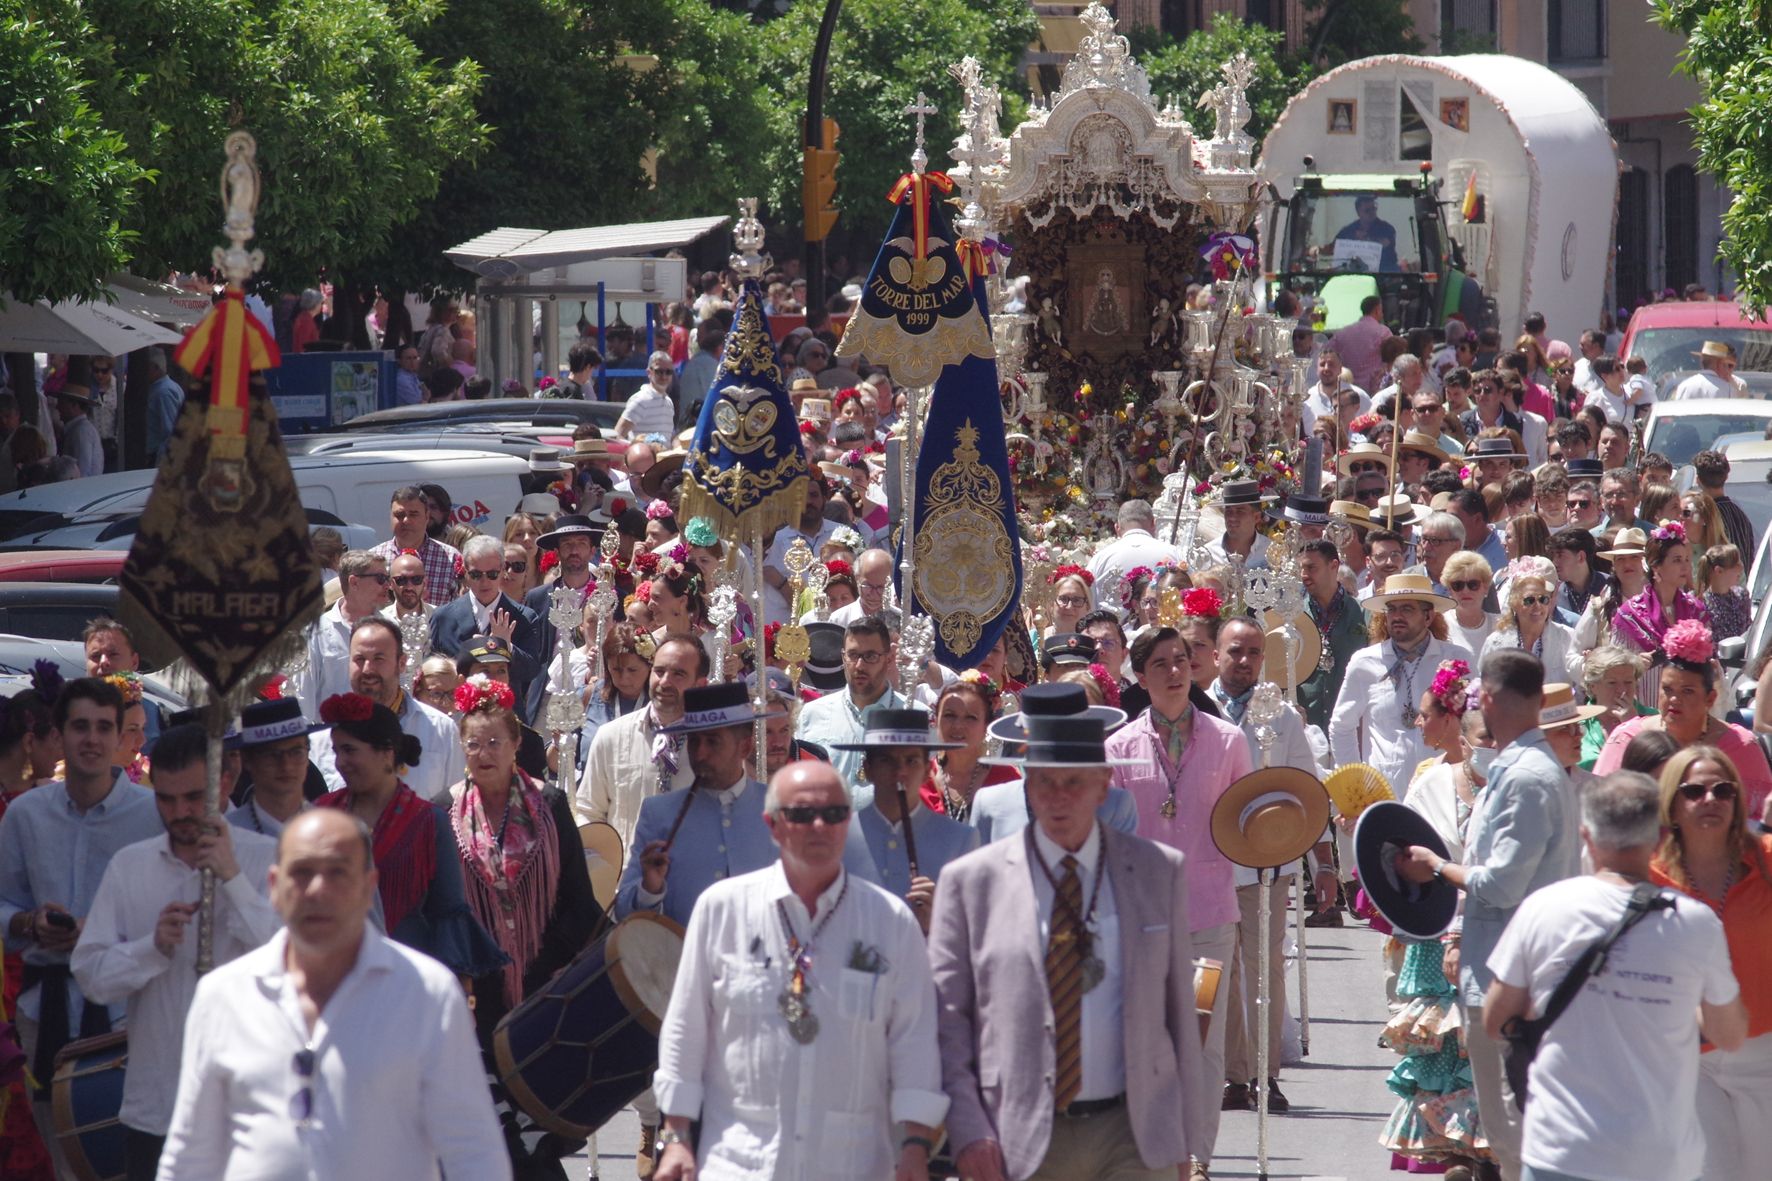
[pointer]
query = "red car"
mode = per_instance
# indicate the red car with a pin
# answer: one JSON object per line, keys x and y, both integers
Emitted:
{"x": 62, "y": 565}
{"x": 1666, "y": 335}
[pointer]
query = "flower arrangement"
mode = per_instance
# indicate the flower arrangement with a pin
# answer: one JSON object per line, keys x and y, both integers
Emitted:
{"x": 1689, "y": 642}
{"x": 481, "y": 694}
{"x": 808, "y": 429}
{"x": 844, "y": 396}
{"x": 346, "y": 707}
{"x": 660, "y": 510}
{"x": 549, "y": 559}
{"x": 991, "y": 690}
{"x": 546, "y": 383}
{"x": 700, "y": 531}
{"x": 565, "y": 493}
{"x": 1110, "y": 688}
{"x": 646, "y": 564}
{"x": 128, "y": 684}
{"x": 1202, "y": 601}
{"x": 459, "y": 567}
{"x": 1669, "y": 533}
{"x": 838, "y": 568}
{"x": 642, "y": 593}
{"x": 854, "y": 457}
{"x": 770, "y": 631}
{"x": 1070, "y": 570}
{"x": 848, "y": 538}
{"x": 1451, "y": 680}
{"x": 1228, "y": 255}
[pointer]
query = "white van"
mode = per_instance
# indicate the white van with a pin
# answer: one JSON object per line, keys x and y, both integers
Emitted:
{"x": 356, "y": 487}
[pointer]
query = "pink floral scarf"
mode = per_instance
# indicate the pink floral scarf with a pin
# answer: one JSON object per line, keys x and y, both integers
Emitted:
{"x": 513, "y": 870}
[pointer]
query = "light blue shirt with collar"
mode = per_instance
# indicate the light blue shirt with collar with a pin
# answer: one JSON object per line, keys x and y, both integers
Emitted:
{"x": 50, "y": 851}
{"x": 723, "y": 835}
{"x": 834, "y": 718}
{"x": 940, "y": 839}
{"x": 1524, "y": 835}
{"x": 1001, "y": 810}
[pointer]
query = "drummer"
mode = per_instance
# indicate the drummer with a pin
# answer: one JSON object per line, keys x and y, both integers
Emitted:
{"x": 895, "y": 748}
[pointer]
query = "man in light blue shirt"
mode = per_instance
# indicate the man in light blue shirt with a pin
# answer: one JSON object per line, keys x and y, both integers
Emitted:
{"x": 55, "y": 842}
{"x": 1524, "y": 835}
{"x": 839, "y": 719}
{"x": 165, "y": 400}
{"x": 408, "y": 389}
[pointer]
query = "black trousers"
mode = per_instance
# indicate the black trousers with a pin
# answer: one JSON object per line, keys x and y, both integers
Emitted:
{"x": 141, "y": 1154}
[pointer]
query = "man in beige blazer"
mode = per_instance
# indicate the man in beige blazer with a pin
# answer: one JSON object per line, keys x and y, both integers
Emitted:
{"x": 1064, "y": 972}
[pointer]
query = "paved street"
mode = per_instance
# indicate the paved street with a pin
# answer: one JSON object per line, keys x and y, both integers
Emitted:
{"x": 1339, "y": 1101}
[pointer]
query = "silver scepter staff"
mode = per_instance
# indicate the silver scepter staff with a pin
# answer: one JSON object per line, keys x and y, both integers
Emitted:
{"x": 1265, "y": 705}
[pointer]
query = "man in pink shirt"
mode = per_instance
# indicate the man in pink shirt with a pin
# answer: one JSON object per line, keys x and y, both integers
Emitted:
{"x": 1185, "y": 761}
{"x": 1359, "y": 342}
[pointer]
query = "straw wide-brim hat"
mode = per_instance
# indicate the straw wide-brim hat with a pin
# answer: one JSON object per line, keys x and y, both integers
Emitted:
{"x": 1423, "y": 442}
{"x": 1270, "y": 818}
{"x": 1403, "y": 588}
{"x": 1394, "y": 511}
{"x": 1385, "y": 829}
{"x": 587, "y": 451}
{"x": 1560, "y": 708}
{"x": 1361, "y": 453}
{"x": 1715, "y": 349}
{"x": 1353, "y": 512}
{"x": 1627, "y": 543}
{"x": 652, "y": 482}
{"x": 1310, "y": 648}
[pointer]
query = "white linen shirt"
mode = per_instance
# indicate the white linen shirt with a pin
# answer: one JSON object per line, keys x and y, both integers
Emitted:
{"x": 1103, "y": 1040}
{"x": 1367, "y": 725}
{"x": 329, "y": 661}
{"x": 398, "y": 1085}
{"x": 440, "y": 764}
{"x": 619, "y": 774}
{"x": 770, "y": 1106}
{"x": 116, "y": 959}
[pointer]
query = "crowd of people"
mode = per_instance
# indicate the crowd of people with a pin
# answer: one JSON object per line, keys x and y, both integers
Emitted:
{"x": 951, "y": 899}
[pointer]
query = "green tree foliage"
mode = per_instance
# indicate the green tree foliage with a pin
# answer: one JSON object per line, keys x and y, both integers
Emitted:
{"x": 1729, "y": 54}
{"x": 67, "y": 185}
{"x": 1190, "y": 67}
{"x": 1344, "y": 30}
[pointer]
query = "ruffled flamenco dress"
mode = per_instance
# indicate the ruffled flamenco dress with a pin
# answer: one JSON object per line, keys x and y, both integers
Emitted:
{"x": 1434, "y": 1122}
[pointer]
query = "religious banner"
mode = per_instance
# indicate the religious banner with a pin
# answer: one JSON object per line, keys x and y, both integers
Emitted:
{"x": 222, "y": 569}
{"x": 965, "y": 545}
{"x": 918, "y": 309}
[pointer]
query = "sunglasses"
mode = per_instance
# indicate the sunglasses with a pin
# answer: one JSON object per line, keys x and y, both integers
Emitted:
{"x": 483, "y": 575}
{"x": 101, "y": 369}
{"x": 1535, "y": 600}
{"x": 301, "y": 1104}
{"x": 807, "y": 813}
{"x": 1720, "y": 792}
{"x": 409, "y": 580}
{"x": 1360, "y": 469}
{"x": 381, "y": 578}
{"x": 516, "y": 567}
{"x": 1582, "y": 503}
{"x": 1465, "y": 584}
{"x": 661, "y": 371}
{"x": 1374, "y": 496}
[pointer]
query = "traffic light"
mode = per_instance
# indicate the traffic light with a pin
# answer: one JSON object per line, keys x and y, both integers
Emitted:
{"x": 819, "y": 185}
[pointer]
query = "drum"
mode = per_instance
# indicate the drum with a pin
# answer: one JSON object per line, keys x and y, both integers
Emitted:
{"x": 580, "y": 1050}
{"x": 86, "y": 1099}
{"x": 603, "y": 856}
{"x": 1207, "y": 976}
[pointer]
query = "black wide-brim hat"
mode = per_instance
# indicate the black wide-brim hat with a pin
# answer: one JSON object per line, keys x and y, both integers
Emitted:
{"x": 1306, "y": 510}
{"x": 1076, "y": 743}
{"x": 824, "y": 669}
{"x": 1384, "y": 830}
{"x": 264, "y": 722}
{"x": 566, "y": 526}
{"x": 895, "y": 729}
{"x": 715, "y": 707}
{"x": 1053, "y": 699}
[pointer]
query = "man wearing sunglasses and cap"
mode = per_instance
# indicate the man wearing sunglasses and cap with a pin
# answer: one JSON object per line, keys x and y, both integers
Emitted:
{"x": 819, "y": 982}
{"x": 1088, "y": 1064}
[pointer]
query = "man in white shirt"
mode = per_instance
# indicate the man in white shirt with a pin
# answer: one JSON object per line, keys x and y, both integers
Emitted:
{"x": 1593, "y": 347}
{"x": 1242, "y": 650}
{"x": 1332, "y": 379}
{"x": 823, "y": 979}
{"x": 649, "y": 412}
{"x": 363, "y": 575}
{"x": 873, "y": 574}
{"x": 814, "y": 529}
{"x": 80, "y": 437}
{"x": 331, "y": 1051}
{"x": 1716, "y": 374}
{"x": 376, "y": 653}
{"x": 629, "y": 759}
{"x": 1134, "y": 544}
{"x": 1615, "y": 1082}
{"x": 139, "y": 942}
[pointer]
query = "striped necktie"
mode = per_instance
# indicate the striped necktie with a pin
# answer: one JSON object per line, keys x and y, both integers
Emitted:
{"x": 1064, "y": 978}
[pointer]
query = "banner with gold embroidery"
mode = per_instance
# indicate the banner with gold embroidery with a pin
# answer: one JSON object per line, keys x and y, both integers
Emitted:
{"x": 967, "y": 568}
{"x": 746, "y": 468}
{"x": 918, "y": 311}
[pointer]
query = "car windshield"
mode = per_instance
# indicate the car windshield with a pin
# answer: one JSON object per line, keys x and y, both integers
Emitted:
{"x": 1681, "y": 436}
{"x": 1669, "y": 349}
{"x": 1354, "y": 231}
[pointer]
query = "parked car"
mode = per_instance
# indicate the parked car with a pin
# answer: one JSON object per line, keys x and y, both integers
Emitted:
{"x": 495, "y": 440}
{"x": 1680, "y": 430}
{"x": 114, "y": 533}
{"x": 1666, "y": 335}
{"x": 54, "y": 610}
{"x": 354, "y": 487}
{"x": 19, "y": 653}
{"x": 62, "y": 565}
{"x": 559, "y": 413}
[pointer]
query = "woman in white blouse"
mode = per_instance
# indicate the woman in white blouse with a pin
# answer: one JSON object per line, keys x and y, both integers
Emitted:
{"x": 1526, "y": 623}
{"x": 1467, "y": 578}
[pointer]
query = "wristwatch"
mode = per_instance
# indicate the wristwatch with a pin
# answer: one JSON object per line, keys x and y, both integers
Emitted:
{"x": 923, "y": 1142}
{"x": 670, "y": 1136}
{"x": 1440, "y": 871}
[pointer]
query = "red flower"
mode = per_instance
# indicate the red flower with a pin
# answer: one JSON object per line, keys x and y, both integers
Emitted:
{"x": 549, "y": 559}
{"x": 845, "y": 395}
{"x": 838, "y": 568}
{"x": 346, "y": 707}
{"x": 1201, "y": 600}
{"x": 1070, "y": 571}
{"x": 617, "y": 507}
{"x": 483, "y": 694}
{"x": 460, "y": 567}
{"x": 769, "y": 634}
{"x": 646, "y": 563}
{"x": 807, "y": 428}
{"x": 1110, "y": 688}
{"x": 272, "y": 689}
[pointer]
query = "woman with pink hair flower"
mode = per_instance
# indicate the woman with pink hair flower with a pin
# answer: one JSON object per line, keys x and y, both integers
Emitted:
{"x": 1687, "y": 693}
{"x": 1642, "y": 622}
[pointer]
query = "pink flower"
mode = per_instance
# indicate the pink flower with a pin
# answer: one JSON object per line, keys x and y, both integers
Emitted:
{"x": 1689, "y": 642}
